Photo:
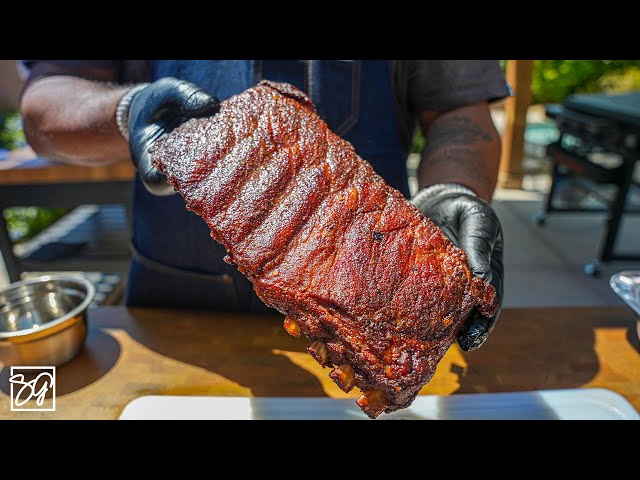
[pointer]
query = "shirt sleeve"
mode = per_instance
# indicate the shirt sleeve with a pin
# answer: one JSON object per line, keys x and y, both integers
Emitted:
{"x": 441, "y": 85}
{"x": 102, "y": 70}
{"x": 120, "y": 71}
{"x": 110, "y": 64}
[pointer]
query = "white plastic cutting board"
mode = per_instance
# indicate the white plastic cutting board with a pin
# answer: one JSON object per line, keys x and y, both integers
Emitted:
{"x": 591, "y": 403}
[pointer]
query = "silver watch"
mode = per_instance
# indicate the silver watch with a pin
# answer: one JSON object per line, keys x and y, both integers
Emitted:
{"x": 122, "y": 110}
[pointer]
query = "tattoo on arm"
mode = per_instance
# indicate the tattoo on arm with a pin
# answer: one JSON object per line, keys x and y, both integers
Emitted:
{"x": 454, "y": 130}
{"x": 461, "y": 158}
{"x": 451, "y": 153}
{"x": 462, "y": 147}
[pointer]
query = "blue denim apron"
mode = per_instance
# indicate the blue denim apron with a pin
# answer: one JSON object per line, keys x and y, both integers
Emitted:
{"x": 175, "y": 263}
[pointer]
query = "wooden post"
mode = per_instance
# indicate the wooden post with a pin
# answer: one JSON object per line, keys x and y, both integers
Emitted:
{"x": 519, "y": 77}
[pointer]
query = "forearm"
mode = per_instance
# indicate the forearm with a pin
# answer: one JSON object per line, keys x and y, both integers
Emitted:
{"x": 73, "y": 120}
{"x": 463, "y": 147}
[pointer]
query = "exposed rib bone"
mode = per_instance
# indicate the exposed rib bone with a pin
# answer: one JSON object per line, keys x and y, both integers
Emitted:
{"x": 372, "y": 402}
{"x": 344, "y": 376}
{"x": 292, "y": 327}
{"x": 318, "y": 350}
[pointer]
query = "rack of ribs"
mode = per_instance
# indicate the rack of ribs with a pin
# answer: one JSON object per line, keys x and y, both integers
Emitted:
{"x": 377, "y": 288}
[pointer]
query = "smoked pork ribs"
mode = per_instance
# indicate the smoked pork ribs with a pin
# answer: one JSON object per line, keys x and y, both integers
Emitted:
{"x": 376, "y": 287}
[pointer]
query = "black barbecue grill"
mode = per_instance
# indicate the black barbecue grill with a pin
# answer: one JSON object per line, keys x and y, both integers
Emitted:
{"x": 597, "y": 124}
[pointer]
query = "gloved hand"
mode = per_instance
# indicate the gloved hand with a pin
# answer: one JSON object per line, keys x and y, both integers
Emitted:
{"x": 471, "y": 224}
{"x": 155, "y": 110}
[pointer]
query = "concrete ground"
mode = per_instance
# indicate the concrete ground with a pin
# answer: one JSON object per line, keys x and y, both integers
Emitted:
{"x": 544, "y": 264}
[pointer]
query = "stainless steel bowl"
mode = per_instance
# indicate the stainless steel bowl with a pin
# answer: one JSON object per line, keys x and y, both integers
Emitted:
{"x": 627, "y": 285}
{"x": 43, "y": 320}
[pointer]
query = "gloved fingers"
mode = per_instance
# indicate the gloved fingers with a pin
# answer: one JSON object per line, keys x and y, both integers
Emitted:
{"x": 184, "y": 99}
{"x": 157, "y": 110}
{"x": 154, "y": 180}
{"x": 478, "y": 230}
{"x": 497, "y": 266}
{"x": 471, "y": 224}
{"x": 477, "y": 327}
{"x": 445, "y": 219}
{"x": 450, "y": 233}
{"x": 475, "y": 331}
{"x": 200, "y": 104}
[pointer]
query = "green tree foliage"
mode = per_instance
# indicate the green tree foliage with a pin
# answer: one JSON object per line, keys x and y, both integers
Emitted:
{"x": 11, "y": 134}
{"x": 23, "y": 223}
{"x": 554, "y": 80}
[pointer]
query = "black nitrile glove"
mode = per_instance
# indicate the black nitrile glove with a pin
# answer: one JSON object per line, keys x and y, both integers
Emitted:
{"x": 471, "y": 224}
{"x": 154, "y": 111}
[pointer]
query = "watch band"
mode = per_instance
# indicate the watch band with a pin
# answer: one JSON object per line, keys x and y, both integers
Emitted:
{"x": 122, "y": 110}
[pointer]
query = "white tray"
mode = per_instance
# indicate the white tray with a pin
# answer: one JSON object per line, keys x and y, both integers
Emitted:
{"x": 588, "y": 403}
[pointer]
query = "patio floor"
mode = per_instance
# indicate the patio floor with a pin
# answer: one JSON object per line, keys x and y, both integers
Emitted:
{"x": 544, "y": 264}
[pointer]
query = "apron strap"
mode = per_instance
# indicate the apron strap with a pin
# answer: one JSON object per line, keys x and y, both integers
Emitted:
{"x": 162, "y": 268}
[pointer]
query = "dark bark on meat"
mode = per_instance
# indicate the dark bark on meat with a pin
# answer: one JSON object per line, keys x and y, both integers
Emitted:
{"x": 354, "y": 266}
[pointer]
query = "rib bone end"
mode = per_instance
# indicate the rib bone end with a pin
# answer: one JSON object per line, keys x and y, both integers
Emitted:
{"x": 292, "y": 327}
{"x": 344, "y": 376}
{"x": 372, "y": 402}
{"x": 318, "y": 350}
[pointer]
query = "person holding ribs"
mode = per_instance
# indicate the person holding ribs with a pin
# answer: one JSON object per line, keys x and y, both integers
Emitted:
{"x": 102, "y": 111}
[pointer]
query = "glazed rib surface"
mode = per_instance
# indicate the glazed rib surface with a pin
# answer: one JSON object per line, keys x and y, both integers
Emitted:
{"x": 379, "y": 290}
